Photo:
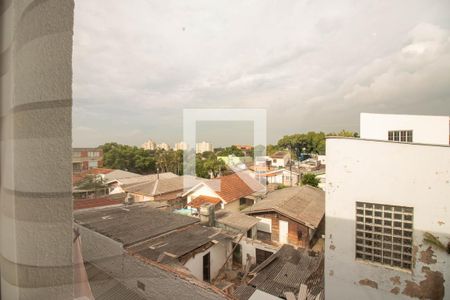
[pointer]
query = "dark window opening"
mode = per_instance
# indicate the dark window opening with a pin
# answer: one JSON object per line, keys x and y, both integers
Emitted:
{"x": 207, "y": 268}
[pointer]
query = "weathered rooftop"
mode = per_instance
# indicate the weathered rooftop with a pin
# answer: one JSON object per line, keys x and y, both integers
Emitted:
{"x": 305, "y": 204}
{"x": 163, "y": 185}
{"x": 131, "y": 224}
{"x": 96, "y": 202}
{"x": 119, "y": 174}
{"x": 285, "y": 271}
{"x": 130, "y": 180}
{"x": 236, "y": 219}
{"x": 105, "y": 287}
{"x": 179, "y": 244}
{"x": 279, "y": 154}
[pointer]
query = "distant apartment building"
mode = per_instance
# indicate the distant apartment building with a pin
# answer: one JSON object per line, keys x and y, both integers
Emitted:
{"x": 181, "y": 146}
{"x": 387, "y": 211}
{"x": 149, "y": 145}
{"x": 84, "y": 159}
{"x": 163, "y": 146}
{"x": 405, "y": 128}
{"x": 203, "y": 147}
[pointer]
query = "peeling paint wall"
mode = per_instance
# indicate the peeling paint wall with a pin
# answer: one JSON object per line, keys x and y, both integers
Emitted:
{"x": 387, "y": 173}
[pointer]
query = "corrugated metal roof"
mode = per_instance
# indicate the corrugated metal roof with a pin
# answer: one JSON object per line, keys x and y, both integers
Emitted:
{"x": 132, "y": 223}
{"x": 163, "y": 185}
{"x": 236, "y": 219}
{"x": 104, "y": 287}
{"x": 178, "y": 243}
{"x": 287, "y": 269}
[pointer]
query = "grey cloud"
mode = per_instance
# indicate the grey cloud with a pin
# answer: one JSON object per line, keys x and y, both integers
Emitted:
{"x": 314, "y": 65}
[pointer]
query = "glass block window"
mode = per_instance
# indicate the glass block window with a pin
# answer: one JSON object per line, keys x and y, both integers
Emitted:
{"x": 384, "y": 234}
{"x": 400, "y": 136}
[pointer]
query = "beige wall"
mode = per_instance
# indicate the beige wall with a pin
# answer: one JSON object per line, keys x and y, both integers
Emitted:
{"x": 36, "y": 100}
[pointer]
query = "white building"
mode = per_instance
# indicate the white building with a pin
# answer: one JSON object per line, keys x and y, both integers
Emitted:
{"x": 181, "y": 146}
{"x": 405, "y": 128}
{"x": 203, "y": 147}
{"x": 280, "y": 159}
{"x": 149, "y": 145}
{"x": 163, "y": 146}
{"x": 383, "y": 201}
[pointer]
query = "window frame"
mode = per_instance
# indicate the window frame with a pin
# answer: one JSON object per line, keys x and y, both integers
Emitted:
{"x": 380, "y": 235}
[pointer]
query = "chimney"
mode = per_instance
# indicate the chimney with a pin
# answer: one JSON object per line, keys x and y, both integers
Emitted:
{"x": 207, "y": 215}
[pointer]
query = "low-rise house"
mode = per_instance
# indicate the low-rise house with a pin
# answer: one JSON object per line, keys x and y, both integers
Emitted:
{"x": 118, "y": 238}
{"x": 127, "y": 277}
{"x": 119, "y": 179}
{"x": 293, "y": 215}
{"x": 248, "y": 252}
{"x": 202, "y": 250}
{"x": 167, "y": 189}
{"x": 230, "y": 191}
{"x": 280, "y": 159}
{"x": 289, "y": 273}
{"x": 266, "y": 176}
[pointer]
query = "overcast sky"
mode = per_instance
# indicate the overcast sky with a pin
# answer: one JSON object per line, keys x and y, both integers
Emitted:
{"x": 314, "y": 65}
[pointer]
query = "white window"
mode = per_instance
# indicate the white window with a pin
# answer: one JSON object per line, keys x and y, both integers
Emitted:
{"x": 400, "y": 136}
{"x": 384, "y": 234}
{"x": 93, "y": 154}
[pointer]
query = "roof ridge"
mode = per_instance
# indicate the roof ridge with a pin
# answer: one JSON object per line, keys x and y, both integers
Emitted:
{"x": 155, "y": 186}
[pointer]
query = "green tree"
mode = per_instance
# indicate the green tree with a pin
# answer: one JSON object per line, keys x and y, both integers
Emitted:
{"x": 208, "y": 165}
{"x": 310, "y": 179}
{"x": 91, "y": 182}
{"x": 128, "y": 158}
{"x": 233, "y": 150}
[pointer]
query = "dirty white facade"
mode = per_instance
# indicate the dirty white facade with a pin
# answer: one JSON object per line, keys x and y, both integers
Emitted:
{"x": 424, "y": 129}
{"x": 376, "y": 173}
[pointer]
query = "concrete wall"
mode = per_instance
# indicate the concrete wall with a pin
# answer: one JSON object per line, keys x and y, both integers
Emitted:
{"x": 218, "y": 255}
{"x": 36, "y": 150}
{"x": 426, "y": 129}
{"x": 249, "y": 246}
{"x": 233, "y": 206}
{"x": 386, "y": 173}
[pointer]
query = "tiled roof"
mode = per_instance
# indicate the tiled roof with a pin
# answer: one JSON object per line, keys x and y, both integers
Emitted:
{"x": 304, "y": 204}
{"x": 198, "y": 201}
{"x": 233, "y": 187}
{"x": 130, "y": 224}
{"x": 285, "y": 271}
{"x": 91, "y": 203}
